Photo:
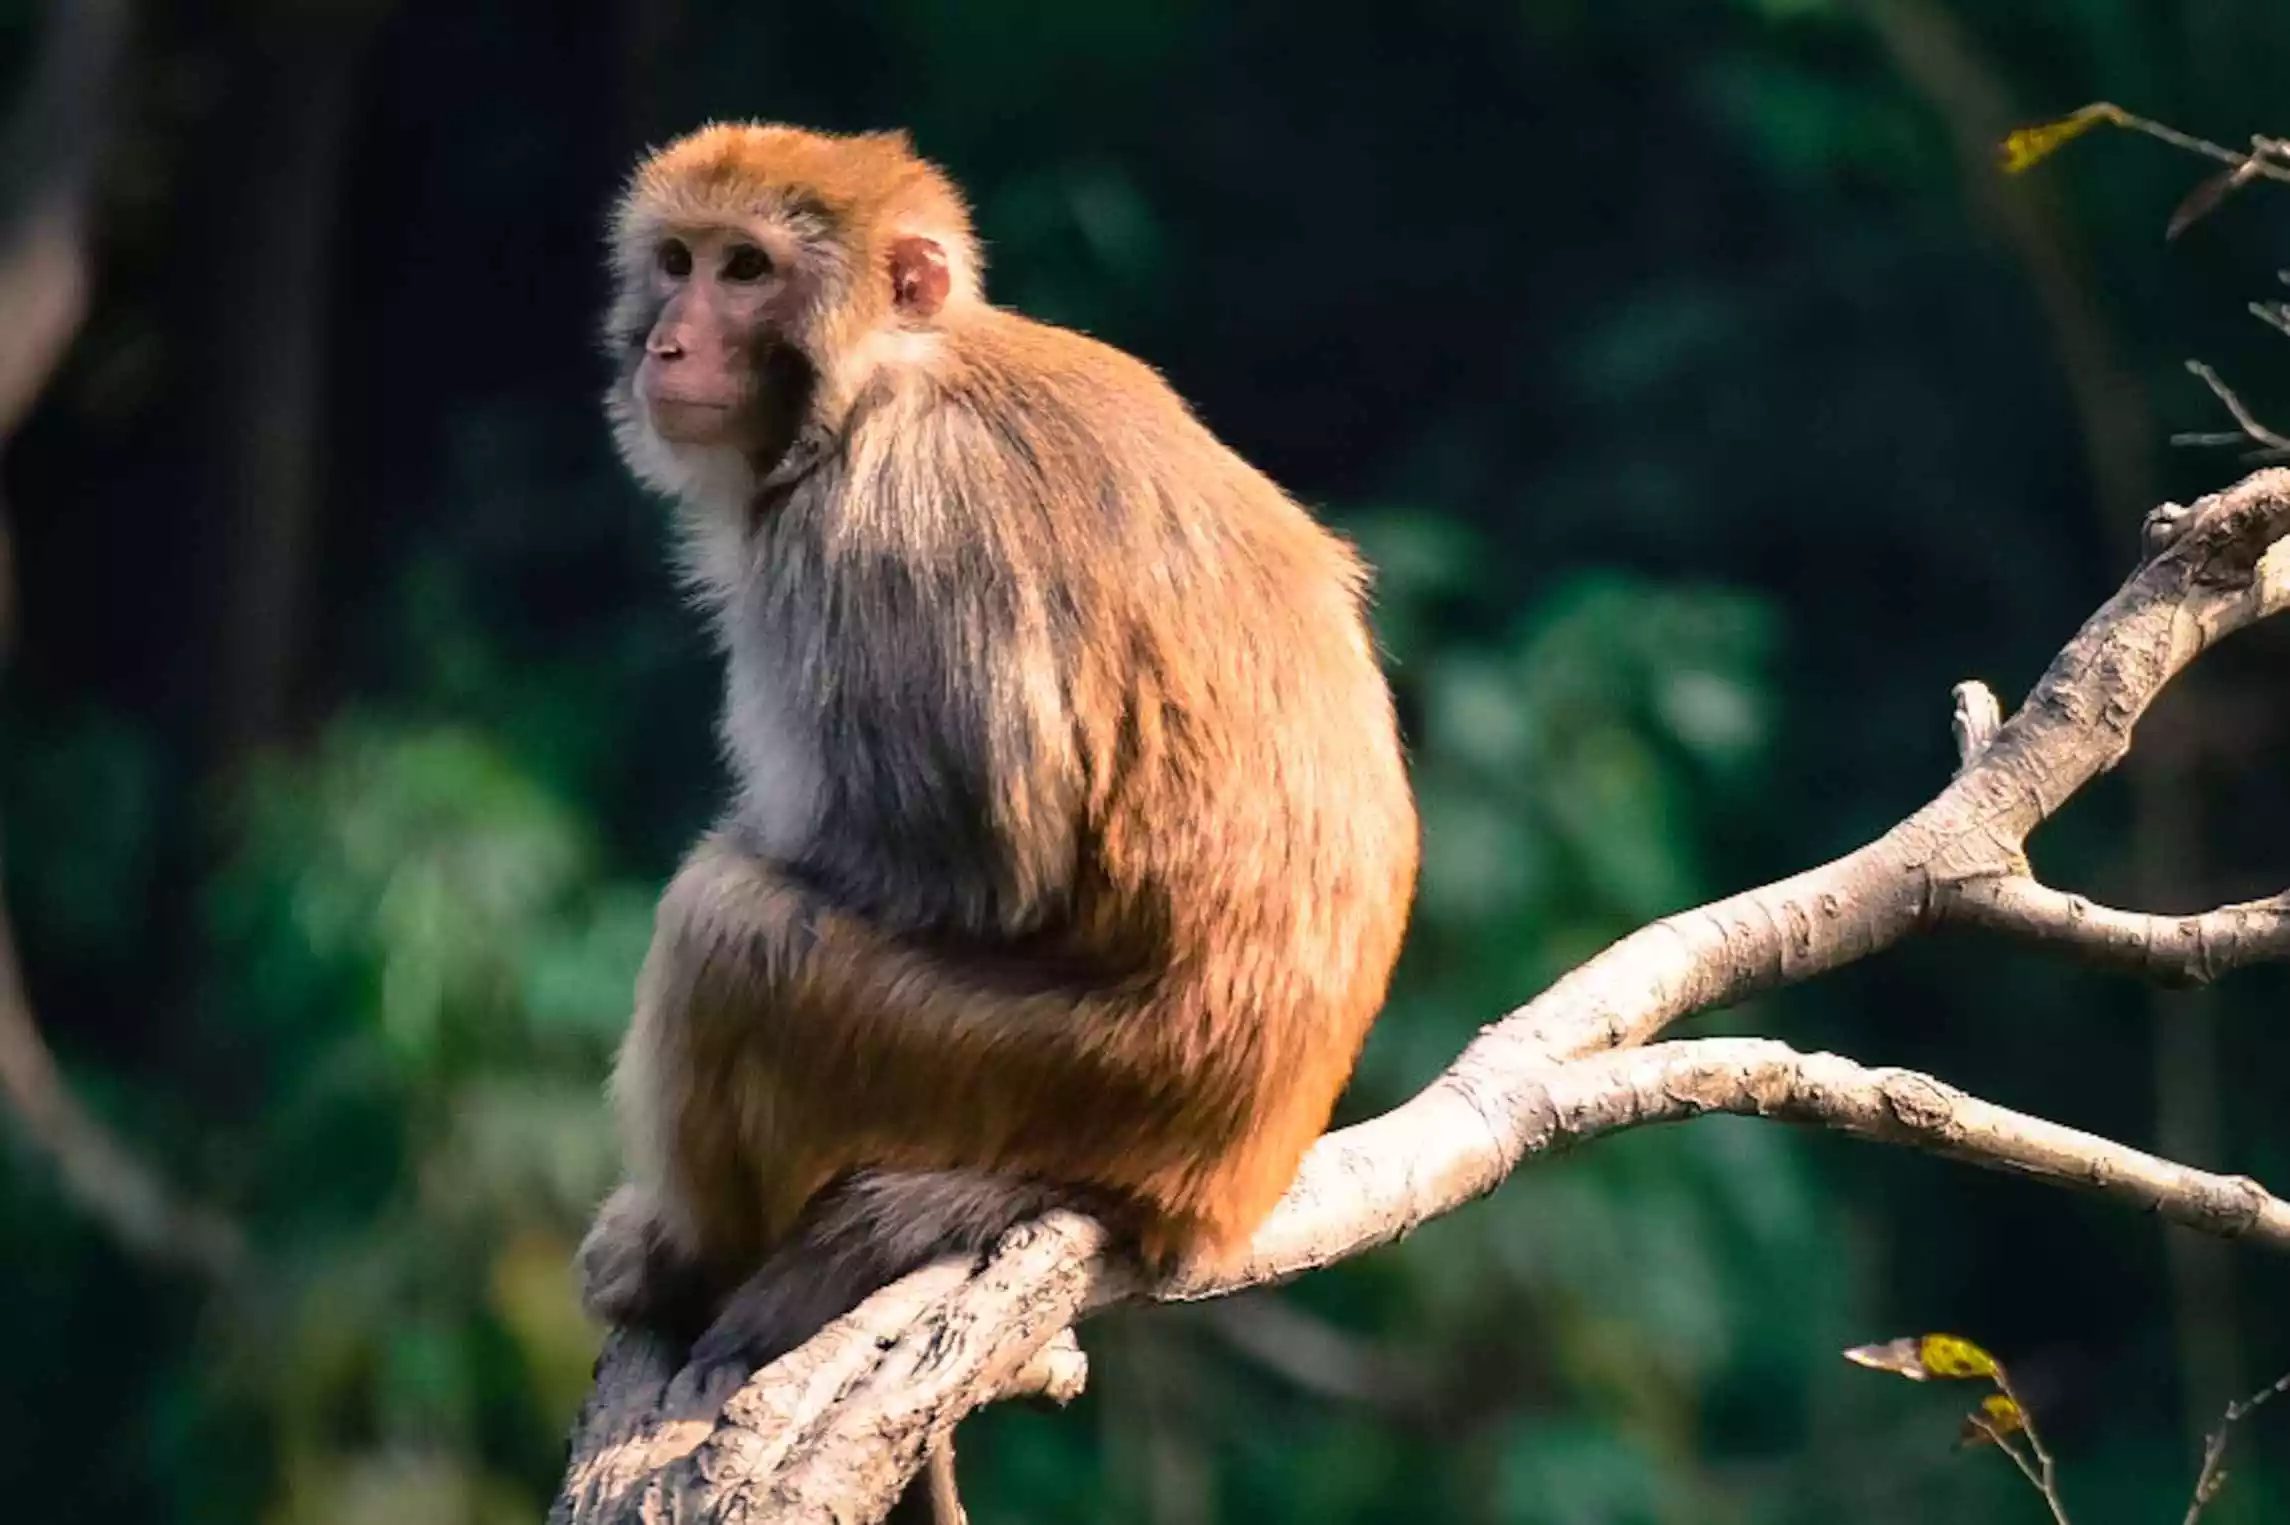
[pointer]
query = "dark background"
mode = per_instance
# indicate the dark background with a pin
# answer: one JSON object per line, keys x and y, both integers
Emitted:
{"x": 1711, "y": 405}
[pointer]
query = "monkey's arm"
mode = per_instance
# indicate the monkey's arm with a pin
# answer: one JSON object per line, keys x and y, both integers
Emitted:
{"x": 907, "y": 1031}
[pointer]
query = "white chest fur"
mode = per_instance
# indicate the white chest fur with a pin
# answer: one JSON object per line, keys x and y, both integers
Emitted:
{"x": 776, "y": 755}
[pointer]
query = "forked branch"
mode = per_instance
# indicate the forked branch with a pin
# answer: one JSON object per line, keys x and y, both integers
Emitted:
{"x": 831, "y": 1432}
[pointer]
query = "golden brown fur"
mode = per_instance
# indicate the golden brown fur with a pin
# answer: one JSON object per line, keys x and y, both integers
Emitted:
{"x": 1073, "y": 845}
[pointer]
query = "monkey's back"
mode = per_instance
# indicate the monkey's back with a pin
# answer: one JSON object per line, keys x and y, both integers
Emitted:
{"x": 1068, "y": 683}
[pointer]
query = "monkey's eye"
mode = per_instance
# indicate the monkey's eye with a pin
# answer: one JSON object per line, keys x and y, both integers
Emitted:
{"x": 746, "y": 262}
{"x": 675, "y": 260}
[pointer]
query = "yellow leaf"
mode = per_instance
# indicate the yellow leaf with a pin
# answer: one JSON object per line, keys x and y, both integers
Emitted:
{"x": 1997, "y": 1417}
{"x": 1951, "y": 1355}
{"x": 2029, "y": 146}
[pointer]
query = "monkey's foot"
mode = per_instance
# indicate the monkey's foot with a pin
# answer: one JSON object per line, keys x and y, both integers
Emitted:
{"x": 630, "y": 1273}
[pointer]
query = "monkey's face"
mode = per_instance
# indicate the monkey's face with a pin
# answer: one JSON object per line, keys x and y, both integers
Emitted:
{"x": 724, "y": 303}
{"x": 765, "y": 279}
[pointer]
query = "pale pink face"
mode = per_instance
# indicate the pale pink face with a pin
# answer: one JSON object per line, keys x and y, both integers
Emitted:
{"x": 722, "y": 303}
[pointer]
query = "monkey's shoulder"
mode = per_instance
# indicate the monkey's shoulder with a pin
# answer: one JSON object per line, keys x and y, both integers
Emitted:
{"x": 1017, "y": 344}
{"x": 1028, "y": 377}
{"x": 1051, "y": 414}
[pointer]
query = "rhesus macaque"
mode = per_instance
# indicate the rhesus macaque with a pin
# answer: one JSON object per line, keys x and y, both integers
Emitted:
{"x": 1072, "y": 844}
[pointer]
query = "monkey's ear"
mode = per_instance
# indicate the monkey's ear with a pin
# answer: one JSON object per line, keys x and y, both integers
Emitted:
{"x": 919, "y": 276}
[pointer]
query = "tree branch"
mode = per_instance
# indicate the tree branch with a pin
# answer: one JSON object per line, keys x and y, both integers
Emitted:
{"x": 2213, "y": 1474}
{"x": 831, "y": 1432}
{"x": 2171, "y": 950}
{"x": 1756, "y": 1077}
{"x": 2274, "y": 445}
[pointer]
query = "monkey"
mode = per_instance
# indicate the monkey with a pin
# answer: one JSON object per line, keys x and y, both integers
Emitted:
{"x": 1071, "y": 845}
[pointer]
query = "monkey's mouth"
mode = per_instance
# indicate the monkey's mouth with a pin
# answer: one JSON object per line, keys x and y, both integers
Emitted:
{"x": 693, "y": 420}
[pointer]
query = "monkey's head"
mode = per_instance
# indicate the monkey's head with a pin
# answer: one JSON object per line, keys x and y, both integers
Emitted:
{"x": 763, "y": 275}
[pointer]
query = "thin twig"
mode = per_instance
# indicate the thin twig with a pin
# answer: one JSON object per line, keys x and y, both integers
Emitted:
{"x": 1758, "y": 1077}
{"x": 2213, "y": 1475}
{"x": 2242, "y": 415}
{"x": 2036, "y": 1478}
{"x": 2045, "y": 1474}
{"x": 2265, "y": 152}
{"x": 2171, "y": 950}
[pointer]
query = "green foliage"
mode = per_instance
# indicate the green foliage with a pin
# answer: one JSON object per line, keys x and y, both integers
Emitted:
{"x": 1562, "y": 1472}
{"x": 1560, "y": 768}
{"x": 431, "y": 958}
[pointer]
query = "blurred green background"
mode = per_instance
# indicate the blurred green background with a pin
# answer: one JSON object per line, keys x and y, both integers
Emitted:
{"x": 1710, "y": 406}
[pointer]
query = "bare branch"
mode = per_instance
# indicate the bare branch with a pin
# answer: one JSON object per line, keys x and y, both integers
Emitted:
{"x": 2275, "y": 315}
{"x": 833, "y": 1430}
{"x": 2217, "y": 567}
{"x": 2171, "y": 950}
{"x": 1756, "y": 1077}
{"x": 2044, "y": 1474}
{"x": 2252, "y": 429}
{"x": 1459, "y": 1152}
{"x": 2265, "y": 159}
{"x": 2213, "y": 1475}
